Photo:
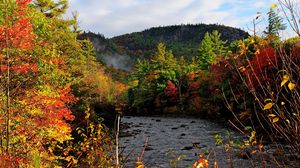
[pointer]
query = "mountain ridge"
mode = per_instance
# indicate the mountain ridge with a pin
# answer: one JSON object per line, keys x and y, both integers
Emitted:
{"x": 183, "y": 40}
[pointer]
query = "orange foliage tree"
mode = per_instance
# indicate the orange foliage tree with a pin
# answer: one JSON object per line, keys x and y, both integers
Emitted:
{"x": 34, "y": 97}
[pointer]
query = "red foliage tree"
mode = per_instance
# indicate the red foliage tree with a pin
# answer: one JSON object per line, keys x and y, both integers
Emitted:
{"x": 171, "y": 90}
{"x": 37, "y": 110}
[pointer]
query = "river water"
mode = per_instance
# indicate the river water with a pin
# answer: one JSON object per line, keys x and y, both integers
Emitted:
{"x": 174, "y": 142}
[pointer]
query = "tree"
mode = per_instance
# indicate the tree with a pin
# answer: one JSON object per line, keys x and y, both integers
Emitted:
{"x": 36, "y": 96}
{"x": 153, "y": 77}
{"x": 51, "y": 8}
{"x": 275, "y": 24}
{"x": 211, "y": 46}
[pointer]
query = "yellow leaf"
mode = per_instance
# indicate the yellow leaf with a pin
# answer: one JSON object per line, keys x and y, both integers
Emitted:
{"x": 268, "y": 106}
{"x": 282, "y": 103}
{"x": 272, "y": 115}
{"x": 284, "y": 80}
{"x": 253, "y": 152}
{"x": 267, "y": 100}
{"x": 246, "y": 143}
{"x": 273, "y": 6}
{"x": 69, "y": 158}
{"x": 139, "y": 165}
{"x": 242, "y": 69}
{"x": 288, "y": 121}
{"x": 75, "y": 161}
{"x": 291, "y": 86}
{"x": 275, "y": 119}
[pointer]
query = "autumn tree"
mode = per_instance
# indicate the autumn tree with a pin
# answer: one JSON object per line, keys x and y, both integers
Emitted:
{"x": 159, "y": 78}
{"x": 41, "y": 63}
{"x": 37, "y": 95}
{"x": 51, "y": 8}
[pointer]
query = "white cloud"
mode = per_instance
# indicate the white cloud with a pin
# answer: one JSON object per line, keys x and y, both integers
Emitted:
{"x": 115, "y": 17}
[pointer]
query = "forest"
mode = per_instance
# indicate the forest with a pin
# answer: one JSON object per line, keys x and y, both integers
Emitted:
{"x": 62, "y": 96}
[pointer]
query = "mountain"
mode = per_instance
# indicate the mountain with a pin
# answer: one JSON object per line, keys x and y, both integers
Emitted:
{"x": 107, "y": 51}
{"x": 183, "y": 40}
{"x": 122, "y": 51}
{"x": 101, "y": 43}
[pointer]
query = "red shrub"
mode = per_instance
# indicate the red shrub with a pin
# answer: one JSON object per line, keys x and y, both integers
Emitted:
{"x": 259, "y": 67}
{"x": 171, "y": 90}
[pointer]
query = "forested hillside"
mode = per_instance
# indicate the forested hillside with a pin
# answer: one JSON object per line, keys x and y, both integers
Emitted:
{"x": 184, "y": 40}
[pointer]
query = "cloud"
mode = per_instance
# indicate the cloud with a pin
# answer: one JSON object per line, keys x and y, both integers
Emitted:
{"x": 116, "y": 17}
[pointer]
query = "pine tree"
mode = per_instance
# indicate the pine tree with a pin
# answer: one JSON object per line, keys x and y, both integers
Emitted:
{"x": 275, "y": 24}
{"x": 210, "y": 47}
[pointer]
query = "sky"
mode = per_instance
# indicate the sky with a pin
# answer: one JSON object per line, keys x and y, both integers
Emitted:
{"x": 117, "y": 17}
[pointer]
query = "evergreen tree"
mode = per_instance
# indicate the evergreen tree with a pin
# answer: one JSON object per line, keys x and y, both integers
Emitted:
{"x": 275, "y": 24}
{"x": 210, "y": 47}
{"x": 218, "y": 45}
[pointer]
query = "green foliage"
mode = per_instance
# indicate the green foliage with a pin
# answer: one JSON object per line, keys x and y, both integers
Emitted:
{"x": 275, "y": 23}
{"x": 153, "y": 75}
{"x": 46, "y": 63}
{"x": 51, "y": 8}
{"x": 210, "y": 47}
{"x": 183, "y": 40}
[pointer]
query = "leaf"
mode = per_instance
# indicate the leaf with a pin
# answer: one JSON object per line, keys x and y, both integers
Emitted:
{"x": 268, "y": 106}
{"x": 282, "y": 103}
{"x": 242, "y": 69}
{"x": 252, "y": 136}
{"x": 247, "y": 128}
{"x": 139, "y": 165}
{"x": 291, "y": 86}
{"x": 285, "y": 79}
{"x": 246, "y": 143}
{"x": 267, "y": 100}
{"x": 253, "y": 152}
{"x": 216, "y": 164}
{"x": 273, "y": 6}
{"x": 275, "y": 119}
{"x": 272, "y": 115}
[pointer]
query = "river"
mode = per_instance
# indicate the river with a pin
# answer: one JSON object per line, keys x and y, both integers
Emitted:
{"x": 174, "y": 142}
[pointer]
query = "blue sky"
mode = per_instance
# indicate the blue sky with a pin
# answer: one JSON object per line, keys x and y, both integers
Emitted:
{"x": 116, "y": 17}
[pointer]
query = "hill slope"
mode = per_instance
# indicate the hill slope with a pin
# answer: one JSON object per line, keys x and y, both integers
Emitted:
{"x": 122, "y": 51}
{"x": 183, "y": 40}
